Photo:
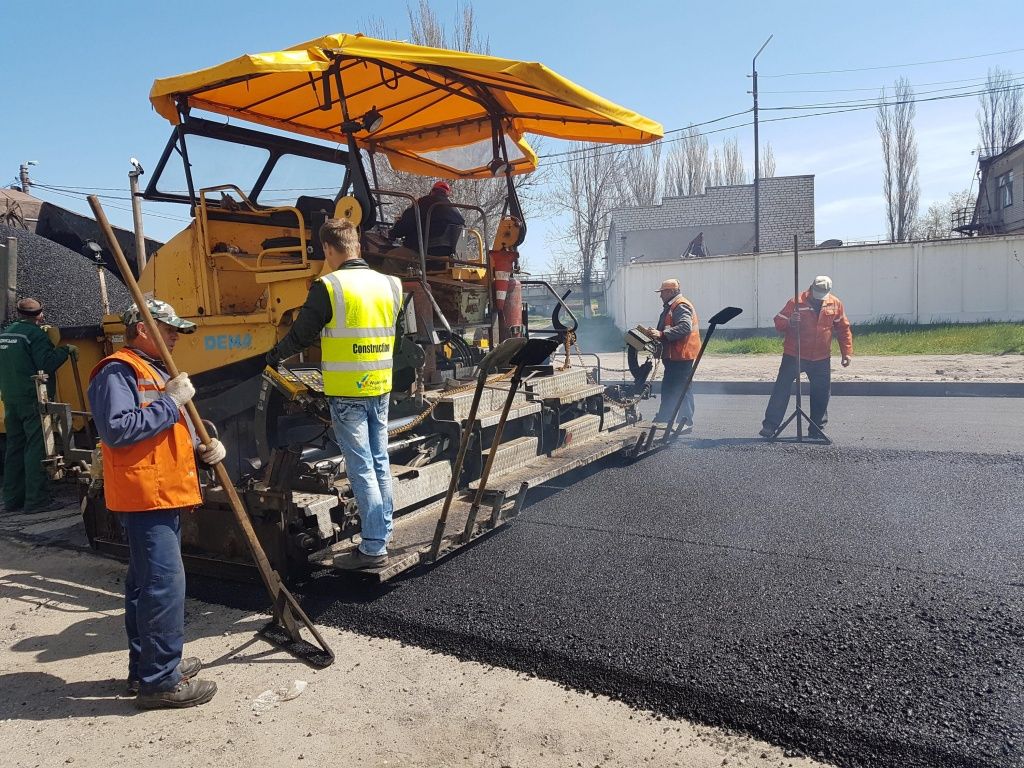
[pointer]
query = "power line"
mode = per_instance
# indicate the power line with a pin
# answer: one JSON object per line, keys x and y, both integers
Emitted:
{"x": 893, "y": 66}
{"x": 877, "y": 88}
{"x": 83, "y": 195}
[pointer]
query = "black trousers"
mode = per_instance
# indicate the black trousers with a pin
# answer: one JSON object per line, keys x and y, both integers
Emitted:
{"x": 819, "y": 373}
{"x": 676, "y": 373}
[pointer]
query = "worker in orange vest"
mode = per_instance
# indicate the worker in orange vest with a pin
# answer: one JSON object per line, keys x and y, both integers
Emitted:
{"x": 818, "y": 317}
{"x": 680, "y": 342}
{"x": 149, "y": 478}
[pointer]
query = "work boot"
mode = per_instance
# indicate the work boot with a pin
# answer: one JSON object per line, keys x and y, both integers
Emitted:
{"x": 358, "y": 559}
{"x": 189, "y": 668}
{"x": 187, "y": 693}
{"x": 767, "y": 432}
{"x": 685, "y": 428}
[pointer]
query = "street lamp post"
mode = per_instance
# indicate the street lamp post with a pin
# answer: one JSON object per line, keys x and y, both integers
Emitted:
{"x": 757, "y": 156}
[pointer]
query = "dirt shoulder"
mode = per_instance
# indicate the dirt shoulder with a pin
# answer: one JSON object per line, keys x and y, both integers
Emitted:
{"x": 382, "y": 703}
{"x": 989, "y": 368}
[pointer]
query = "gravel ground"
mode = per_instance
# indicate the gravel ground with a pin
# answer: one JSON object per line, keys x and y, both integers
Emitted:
{"x": 865, "y": 610}
{"x": 65, "y": 281}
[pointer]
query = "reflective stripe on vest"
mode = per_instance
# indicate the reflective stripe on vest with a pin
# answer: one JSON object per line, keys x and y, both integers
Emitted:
{"x": 687, "y": 347}
{"x": 357, "y": 345}
{"x": 156, "y": 473}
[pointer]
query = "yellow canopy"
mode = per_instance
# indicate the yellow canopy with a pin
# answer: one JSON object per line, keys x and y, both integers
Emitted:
{"x": 439, "y": 107}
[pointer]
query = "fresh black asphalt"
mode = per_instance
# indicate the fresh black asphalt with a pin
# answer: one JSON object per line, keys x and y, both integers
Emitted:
{"x": 856, "y": 603}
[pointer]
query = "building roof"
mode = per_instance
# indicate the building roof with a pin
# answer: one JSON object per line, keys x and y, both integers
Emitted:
{"x": 28, "y": 205}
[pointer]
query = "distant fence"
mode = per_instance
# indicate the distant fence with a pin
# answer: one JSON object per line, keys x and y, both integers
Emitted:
{"x": 964, "y": 280}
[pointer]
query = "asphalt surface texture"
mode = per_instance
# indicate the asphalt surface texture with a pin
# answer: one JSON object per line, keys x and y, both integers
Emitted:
{"x": 65, "y": 281}
{"x": 860, "y": 603}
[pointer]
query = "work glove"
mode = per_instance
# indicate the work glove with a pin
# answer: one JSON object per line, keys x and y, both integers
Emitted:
{"x": 180, "y": 389}
{"x": 72, "y": 351}
{"x": 212, "y": 453}
{"x": 272, "y": 358}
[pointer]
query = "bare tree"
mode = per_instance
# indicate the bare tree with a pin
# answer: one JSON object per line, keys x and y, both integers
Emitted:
{"x": 767, "y": 161}
{"x": 895, "y": 123}
{"x": 733, "y": 171}
{"x": 586, "y": 189}
{"x": 687, "y": 166}
{"x": 1001, "y": 112}
{"x": 640, "y": 178}
{"x": 716, "y": 176}
{"x": 937, "y": 221}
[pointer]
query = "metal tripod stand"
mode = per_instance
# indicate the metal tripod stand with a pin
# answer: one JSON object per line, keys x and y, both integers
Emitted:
{"x": 798, "y": 414}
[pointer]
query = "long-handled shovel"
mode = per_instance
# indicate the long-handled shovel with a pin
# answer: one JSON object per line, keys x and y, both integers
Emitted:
{"x": 284, "y": 630}
{"x": 723, "y": 317}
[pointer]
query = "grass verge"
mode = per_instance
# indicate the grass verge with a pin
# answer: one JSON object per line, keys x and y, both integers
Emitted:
{"x": 893, "y": 338}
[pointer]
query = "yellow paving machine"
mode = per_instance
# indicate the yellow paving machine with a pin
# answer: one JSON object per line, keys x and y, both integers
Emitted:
{"x": 482, "y": 409}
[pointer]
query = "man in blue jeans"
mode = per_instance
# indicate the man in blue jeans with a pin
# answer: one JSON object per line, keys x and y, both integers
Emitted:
{"x": 353, "y": 310}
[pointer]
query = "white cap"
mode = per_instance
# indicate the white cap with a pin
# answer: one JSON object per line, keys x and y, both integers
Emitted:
{"x": 821, "y": 287}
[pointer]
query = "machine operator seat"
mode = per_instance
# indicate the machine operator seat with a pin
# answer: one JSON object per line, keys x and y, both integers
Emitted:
{"x": 447, "y": 243}
{"x": 315, "y": 211}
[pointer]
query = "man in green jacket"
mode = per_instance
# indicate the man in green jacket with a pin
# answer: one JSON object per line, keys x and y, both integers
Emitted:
{"x": 25, "y": 349}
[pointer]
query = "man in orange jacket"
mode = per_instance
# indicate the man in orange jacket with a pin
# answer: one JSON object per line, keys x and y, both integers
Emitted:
{"x": 149, "y": 478}
{"x": 817, "y": 318}
{"x": 680, "y": 342}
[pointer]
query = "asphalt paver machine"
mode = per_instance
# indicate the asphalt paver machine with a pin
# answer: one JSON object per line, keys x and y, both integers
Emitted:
{"x": 480, "y": 411}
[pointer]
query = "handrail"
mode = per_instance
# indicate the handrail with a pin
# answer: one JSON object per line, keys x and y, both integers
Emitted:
{"x": 261, "y": 212}
{"x": 561, "y": 303}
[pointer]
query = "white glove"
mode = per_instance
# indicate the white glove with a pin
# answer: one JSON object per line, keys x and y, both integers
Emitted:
{"x": 180, "y": 389}
{"x": 213, "y": 453}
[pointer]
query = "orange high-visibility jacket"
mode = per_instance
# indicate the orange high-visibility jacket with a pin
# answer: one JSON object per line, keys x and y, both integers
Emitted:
{"x": 156, "y": 473}
{"x": 816, "y": 330}
{"x": 688, "y": 346}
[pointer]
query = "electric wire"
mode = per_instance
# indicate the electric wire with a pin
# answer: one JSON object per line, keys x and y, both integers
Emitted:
{"x": 891, "y": 66}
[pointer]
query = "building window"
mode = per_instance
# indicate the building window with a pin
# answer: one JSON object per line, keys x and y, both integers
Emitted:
{"x": 1004, "y": 189}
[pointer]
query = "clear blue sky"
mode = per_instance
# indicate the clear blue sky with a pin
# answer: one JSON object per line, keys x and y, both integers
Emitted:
{"x": 77, "y": 77}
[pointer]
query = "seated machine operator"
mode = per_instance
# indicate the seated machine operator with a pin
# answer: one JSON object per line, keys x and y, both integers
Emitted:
{"x": 443, "y": 216}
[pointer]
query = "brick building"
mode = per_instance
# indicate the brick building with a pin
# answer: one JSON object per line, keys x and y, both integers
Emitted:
{"x": 723, "y": 215}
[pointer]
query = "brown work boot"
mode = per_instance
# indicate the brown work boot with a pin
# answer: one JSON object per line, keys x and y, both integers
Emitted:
{"x": 188, "y": 667}
{"x": 187, "y": 693}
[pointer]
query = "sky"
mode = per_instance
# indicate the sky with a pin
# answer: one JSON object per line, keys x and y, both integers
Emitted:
{"x": 78, "y": 74}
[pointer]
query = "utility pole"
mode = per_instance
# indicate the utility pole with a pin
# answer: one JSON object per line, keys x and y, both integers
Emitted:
{"x": 23, "y": 177}
{"x": 757, "y": 156}
{"x": 140, "y": 238}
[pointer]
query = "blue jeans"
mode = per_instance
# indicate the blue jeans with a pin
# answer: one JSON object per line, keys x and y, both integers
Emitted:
{"x": 154, "y": 598}
{"x": 361, "y": 429}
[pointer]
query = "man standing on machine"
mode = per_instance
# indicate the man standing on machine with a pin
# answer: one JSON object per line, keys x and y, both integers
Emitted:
{"x": 680, "y": 342}
{"x": 353, "y": 310}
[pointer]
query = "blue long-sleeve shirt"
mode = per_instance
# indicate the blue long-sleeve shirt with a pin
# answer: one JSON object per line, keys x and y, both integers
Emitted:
{"x": 120, "y": 418}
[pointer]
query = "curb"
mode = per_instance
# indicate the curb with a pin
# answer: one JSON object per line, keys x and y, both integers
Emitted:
{"x": 861, "y": 388}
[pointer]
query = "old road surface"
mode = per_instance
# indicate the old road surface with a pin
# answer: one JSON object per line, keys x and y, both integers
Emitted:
{"x": 861, "y": 603}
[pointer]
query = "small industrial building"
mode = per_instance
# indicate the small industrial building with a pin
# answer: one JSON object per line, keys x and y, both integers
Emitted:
{"x": 999, "y": 209}
{"x": 718, "y": 222}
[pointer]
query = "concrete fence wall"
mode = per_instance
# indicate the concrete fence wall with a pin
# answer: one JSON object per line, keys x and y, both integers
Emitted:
{"x": 962, "y": 280}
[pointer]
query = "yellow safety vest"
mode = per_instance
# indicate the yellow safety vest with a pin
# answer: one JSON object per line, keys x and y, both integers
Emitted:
{"x": 358, "y": 343}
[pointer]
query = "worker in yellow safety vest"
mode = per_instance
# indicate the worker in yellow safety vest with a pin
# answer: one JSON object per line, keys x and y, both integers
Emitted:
{"x": 353, "y": 310}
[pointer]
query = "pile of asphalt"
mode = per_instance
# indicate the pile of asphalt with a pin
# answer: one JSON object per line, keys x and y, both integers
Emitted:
{"x": 65, "y": 281}
{"x": 862, "y": 607}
